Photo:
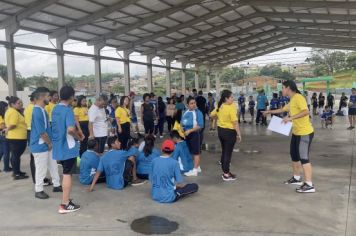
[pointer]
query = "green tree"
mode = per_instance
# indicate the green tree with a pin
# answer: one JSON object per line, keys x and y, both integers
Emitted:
{"x": 333, "y": 60}
{"x": 351, "y": 60}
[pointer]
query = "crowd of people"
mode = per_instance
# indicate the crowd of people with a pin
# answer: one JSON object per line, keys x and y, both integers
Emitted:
{"x": 105, "y": 135}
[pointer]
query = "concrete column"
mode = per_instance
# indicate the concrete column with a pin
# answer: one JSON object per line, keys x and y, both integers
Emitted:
{"x": 208, "y": 72}
{"x": 184, "y": 77}
{"x": 127, "y": 71}
{"x": 10, "y": 59}
{"x": 168, "y": 78}
{"x": 60, "y": 61}
{"x": 217, "y": 85}
{"x": 97, "y": 49}
{"x": 149, "y": 73}
{"x": 196, "y": 77}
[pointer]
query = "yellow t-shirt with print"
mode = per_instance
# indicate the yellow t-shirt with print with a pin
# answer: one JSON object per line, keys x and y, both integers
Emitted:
{"x": 13, "y": 117}
{"x": 28, "y": 115}
{"x": 301, "y": 126}
{"x": 227, "y": 116}
{"x": 179, "y": 128}
{"x": 81, "y": 113}
{"x": 123, "y": 114}
{"x": 2, "y": 121}
{"x": 49, "y": 109}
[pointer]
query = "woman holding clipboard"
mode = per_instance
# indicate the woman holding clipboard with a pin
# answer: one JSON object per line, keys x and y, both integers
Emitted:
{"x": 302, "y": 136}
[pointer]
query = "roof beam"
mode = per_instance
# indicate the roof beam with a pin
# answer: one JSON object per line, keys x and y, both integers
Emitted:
{"x": 309, "y": 16}
{"x": 321, "y": 32}
{"x": 295, "y": 25}
{"x": 206, "y": 32}
{"x": 330, "y": 39}
{"x": 327, "y": 46}
{"x": 178, "y": 27}
{"x": 235, "y": 43}
{"x": 301, "y": 3}
{"x": 26, "y": 12}
{"x": 91, "y": 18}
{"x": 218, "y": 39}
{"x": 227, "y": 55}
{"x": 144, "y": 21}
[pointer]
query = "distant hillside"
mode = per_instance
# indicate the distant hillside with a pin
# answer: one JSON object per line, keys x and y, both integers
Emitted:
{"x": 341, "y": 80}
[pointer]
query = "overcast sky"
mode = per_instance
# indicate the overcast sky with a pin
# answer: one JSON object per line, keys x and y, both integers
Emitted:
{"x": 29, "y": 62}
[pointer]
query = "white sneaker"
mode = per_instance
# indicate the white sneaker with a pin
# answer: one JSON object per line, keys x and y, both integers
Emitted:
{"x": 161, "y": 137}
{"x": 199, "y": 169}
{"x": 193, "y": 172}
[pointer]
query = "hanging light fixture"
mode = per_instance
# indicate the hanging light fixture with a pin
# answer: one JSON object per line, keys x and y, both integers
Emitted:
{"x": 295, "y": 49}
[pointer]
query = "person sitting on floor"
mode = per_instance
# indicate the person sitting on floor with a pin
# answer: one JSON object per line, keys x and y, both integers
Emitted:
{"x": 133, "y": 146}
{"x": 145, "y": 158}
{"x": 89, "y": 164}
{"x": 327, "y": 118}
{"x": 166, "y": 179}
{"x": 119, "y": 167}
{"x": 181, "y": 152}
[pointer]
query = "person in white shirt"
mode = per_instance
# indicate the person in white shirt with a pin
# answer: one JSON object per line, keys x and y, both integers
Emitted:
{"x": 98, "y": 126}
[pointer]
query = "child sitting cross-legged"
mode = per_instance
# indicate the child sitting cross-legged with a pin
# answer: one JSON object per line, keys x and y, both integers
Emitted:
{"x": 327, "y": 118}
{"x": 166, "y": 178}
{"x": 146, "y": 156}
{"x": 181, "y": 152}
{"x": 119, "y": 167}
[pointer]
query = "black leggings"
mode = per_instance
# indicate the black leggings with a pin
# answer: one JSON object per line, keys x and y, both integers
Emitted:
{"x": 149, "y": 126}
{"x": 260, "y": 116}
{"x": 227, "y": 139}
{"x": 84, "y": 126}
{"x": 125, "y": 135}
{"x": 169, "y": 123}
{"x": 299, "y": 148}
{"x": 17, "y": 148}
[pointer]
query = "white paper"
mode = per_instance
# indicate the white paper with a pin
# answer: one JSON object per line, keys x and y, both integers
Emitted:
{"x": 276, "y": 125}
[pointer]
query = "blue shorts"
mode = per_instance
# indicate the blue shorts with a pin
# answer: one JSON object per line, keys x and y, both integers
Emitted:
{"x": 193, "y": 142}
{"x": 134, "y": 120}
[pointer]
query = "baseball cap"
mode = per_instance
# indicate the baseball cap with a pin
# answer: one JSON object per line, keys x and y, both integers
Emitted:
{"x": 168, "y": 145}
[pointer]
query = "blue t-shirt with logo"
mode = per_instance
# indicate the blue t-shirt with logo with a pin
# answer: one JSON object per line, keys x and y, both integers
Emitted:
{"x": 192, "y": 118}
{"x": 88, "y": 165}
{"x": 283, "y": 101}
{"x": 164, "y": 176}
{"x": 353, "y": 100}
{"x": 251, "y": 104}
{"x": 182, "y": 155}
{"x": 261, "y": 102}
{"x": 64, "y": 145}
{"x": 39, "y": 125}
{"x": 274, "y": 104}
{"x": 241, "y": 101}
{"x": 144, "y": 163}
{"x": 113, "y": 164}
{"x": 327, "y": 114}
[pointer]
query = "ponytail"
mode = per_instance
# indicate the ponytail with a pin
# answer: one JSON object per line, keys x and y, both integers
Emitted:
{"x": 225, "y": 94}
{"x": 12, "y": 100}
{"x": 149, "y": 145}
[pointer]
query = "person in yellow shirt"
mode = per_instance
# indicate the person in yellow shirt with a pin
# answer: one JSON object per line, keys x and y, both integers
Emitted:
{"x": 303, "y": 133}
{"x": 228, "y": 130}
{"x": 123, "y": 119}
{"x": 54, "y": 97}
{"x": 4, "y": 145}
{"x": 28, "y": 119}
{"x": 82, "y": 121}
{"x": 16, "y": 135}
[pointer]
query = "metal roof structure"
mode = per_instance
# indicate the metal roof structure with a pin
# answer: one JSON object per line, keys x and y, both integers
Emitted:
{"x": 212, "y": 32}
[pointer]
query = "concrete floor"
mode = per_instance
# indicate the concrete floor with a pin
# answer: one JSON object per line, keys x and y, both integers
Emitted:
{"x": 257, "y": 204}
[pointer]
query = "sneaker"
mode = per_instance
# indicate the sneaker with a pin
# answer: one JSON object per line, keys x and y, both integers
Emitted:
{"x": 228, "y": 177}
{"x": 193, "y": 172}
{"x": 41, "y": 195}
{"x": 305, "y": 188}
{"x": 138, "y": 182}
{"x": 219, "y": 163}
{"x": 57, "y": 189}
{"x": 70, "y": 207}
{"x": 161, "y": 136}
{"x": 350, "y": 128}
{"x": 293, "y": 181}
{"x": 19, "y": 177}
{"x": 245, "y": 122}
{"x": 199, "y": 169}
{"x": 8, "y": 170}
{"x": 47, "y": 182}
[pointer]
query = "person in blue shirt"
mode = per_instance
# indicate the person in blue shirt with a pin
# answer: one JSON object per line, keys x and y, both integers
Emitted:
{"x": 89, "y": 164}
{"x": 262, "y": 103}
{"x": 274, "y": 104}
{"x": 242, "y": 107}
{"x": 65, "y": 146}
{"x": 166, "y": 179}
{"x": 180, "y": 105}
{"x": 192, "y": 122}
{"x": 251, "y": 108}
{"x": 145, "y": 158}
{"x": 181, "y": 152}
{"x": 352, "y": 109}
{"x": 41, "y": 145}
{"x": 327, "y": 118}
{"x": 119, "y": 167}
